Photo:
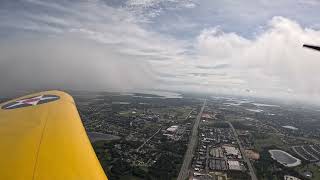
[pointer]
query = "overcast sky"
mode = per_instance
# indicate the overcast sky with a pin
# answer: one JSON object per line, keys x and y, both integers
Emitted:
{"x": 238, "y": 47}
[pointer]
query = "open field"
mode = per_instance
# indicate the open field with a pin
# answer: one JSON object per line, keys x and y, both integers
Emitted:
{"x": 264, "y": 140}
{"x": 310, "y": 167}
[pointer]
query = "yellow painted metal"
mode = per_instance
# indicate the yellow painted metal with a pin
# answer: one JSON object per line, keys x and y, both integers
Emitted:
{"x": 46, "y": 141}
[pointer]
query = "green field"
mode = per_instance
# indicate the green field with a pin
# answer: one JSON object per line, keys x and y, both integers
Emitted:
{"x": 310, "y": 167}
{"x": 264, "y": 140}
{"x": 180, "y": 112}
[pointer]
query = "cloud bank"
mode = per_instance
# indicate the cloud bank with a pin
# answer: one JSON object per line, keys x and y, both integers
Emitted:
{"x": 271, "y": 62}
{"x": 93, "y": 45}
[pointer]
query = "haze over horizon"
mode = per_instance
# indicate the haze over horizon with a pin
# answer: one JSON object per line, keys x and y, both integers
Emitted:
{"x": 234, "y": 47}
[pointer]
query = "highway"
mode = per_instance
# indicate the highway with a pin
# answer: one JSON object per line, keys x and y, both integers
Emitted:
{"x": 184, "y": 171}
{"x": 252, "y": 174}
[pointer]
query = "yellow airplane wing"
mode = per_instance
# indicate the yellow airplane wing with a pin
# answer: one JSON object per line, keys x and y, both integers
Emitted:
{"x": 42, "y": 137}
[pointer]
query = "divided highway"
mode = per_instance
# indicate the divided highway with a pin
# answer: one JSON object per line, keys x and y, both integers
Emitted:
{"x": 252, "y": 174}
{"x": 184, "y": 171}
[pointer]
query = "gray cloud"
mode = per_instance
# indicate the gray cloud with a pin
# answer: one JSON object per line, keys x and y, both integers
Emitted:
{"x": 61, "y": 63}
{"x": 100, "y": 45}
{"x": 218, "y": 66}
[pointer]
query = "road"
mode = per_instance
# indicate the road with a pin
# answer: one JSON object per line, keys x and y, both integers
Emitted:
{"x": 184, "y": 171}
{"x": 252, "y": 174}
{"x": 148, "y": 140}
{"x": 187, "y": 117}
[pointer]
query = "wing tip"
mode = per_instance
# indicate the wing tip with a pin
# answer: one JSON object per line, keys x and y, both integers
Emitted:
{"x": 317, "y": 48}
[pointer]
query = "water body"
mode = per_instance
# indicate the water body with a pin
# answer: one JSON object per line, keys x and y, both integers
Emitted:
{"x": 158, "y": 94}
{"x": 165, "y": 94}
{"x": 284, "y": 158}
{"x": 265, "y": 105}
{"x": 120, "y": 102}
{"x": 231, "y": 104}
{"x": 239, "y": 101}
{"x": 290, "y": 127}
{"x": 255, "y": 110}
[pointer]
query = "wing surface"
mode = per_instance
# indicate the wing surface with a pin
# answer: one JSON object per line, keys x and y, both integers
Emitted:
{"x": 42, "y": 137}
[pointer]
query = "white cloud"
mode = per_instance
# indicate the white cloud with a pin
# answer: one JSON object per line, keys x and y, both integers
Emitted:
{"x": 272, "y": 62}
{"x": 99, "y": 46}
{"x": 145, "y": 10}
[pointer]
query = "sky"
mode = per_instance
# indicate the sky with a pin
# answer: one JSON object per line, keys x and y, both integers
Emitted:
{"x": 243, "y": 47}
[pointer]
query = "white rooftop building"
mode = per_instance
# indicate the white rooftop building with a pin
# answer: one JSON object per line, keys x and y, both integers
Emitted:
{"x": 230, "y": 150}
{"x": 287, "y": 177}
{"x": 234, "y": 165}
{"x": 172, "y": 129}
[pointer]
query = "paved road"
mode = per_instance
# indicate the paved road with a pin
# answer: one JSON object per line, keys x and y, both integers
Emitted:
{"x": 252, "y": 174}
{"x": 187, "y": 117}
{"x": 184, "y": 171}
{"x": 148, "y": 140}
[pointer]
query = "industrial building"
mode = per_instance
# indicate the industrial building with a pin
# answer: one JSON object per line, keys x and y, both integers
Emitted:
{"x": 234, "y": 165}
{"x": 232, "y": 151}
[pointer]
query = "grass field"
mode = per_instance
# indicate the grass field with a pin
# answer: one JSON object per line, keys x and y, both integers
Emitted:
{"x": 310, "y": 167}
{"x": 264, "y": 140}
{"x": 181, "y": 112}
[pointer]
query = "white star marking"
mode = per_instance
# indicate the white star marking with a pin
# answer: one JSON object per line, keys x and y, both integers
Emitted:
{"x": 31, "y": 101}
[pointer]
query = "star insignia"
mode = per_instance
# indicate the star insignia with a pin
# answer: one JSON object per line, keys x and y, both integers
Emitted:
{"x": 32, "y": 101}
